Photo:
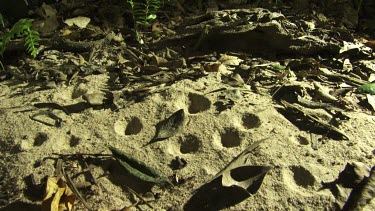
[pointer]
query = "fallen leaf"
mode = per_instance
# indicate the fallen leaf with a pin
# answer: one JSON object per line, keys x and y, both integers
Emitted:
{"x": 230, "y": 60}
{"x": 362, "y": 195}
{"x": 367, "y": 88}
{"x": 370, "y": 43}
{"x": 169, "y": 127}
{"x": 371, "y": 101}
{"x": 239, "y": 168}
{"x": 58, "y": 197}
{"x": 136, "y": 168}
{"x": 233, "y": 184}
{"x": 50, "y": 23}
{"x": 347, "y": 66}
{"x": 234, "y": 80}
{"x": 212, "y": 67}
{"x": 80, "y": 22}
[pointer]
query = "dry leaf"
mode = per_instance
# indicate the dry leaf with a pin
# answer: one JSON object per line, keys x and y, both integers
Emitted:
{"x": 157, "y": 60}
{"x": 169, "y": 127}
{"x": 212, "y": 67}
{"x": 58, "y": 196}
{"x": 234, "y": 80}
{"x": 361, "y": 196}
{"x": 50, "y": 23}
{"x": 371, "y": 101}
{"x": 230, "y": 60}
{"x": 232, "y": 185}
{"x": 240, "y": 174}
{"x": 79, "y": 21}
{"x": 370, "y": 44}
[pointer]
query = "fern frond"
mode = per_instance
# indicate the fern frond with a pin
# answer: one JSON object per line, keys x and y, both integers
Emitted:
{"x": 144, "y": 11}
{"x": 2, "y": 20}
{"x": 22, "y": 28}
{"x": 2, "y": 66}
{"x": 31, "y": 42}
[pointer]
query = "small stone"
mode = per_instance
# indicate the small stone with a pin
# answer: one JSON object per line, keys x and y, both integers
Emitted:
{"x": 94, "y": 98}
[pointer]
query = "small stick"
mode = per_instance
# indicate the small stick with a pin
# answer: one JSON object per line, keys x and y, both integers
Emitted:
{"x": 74, "y": 189}
{"x": 139, "y": 196}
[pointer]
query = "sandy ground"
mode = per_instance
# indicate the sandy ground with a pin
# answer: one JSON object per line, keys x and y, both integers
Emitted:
{"x": 208, "y": 142}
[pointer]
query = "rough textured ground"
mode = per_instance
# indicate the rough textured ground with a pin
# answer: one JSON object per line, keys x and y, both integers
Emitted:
{"x": 209, "y": 141}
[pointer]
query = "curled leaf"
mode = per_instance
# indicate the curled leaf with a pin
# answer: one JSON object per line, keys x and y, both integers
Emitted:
{"x": 58, "y": 195}
{"x": 169, "y": 127}
{"x": 236, "y": 182}
{"x": 238, "y": 173}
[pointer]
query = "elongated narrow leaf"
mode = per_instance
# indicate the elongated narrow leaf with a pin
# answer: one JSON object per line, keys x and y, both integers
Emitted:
{"x": 136, "y": 168}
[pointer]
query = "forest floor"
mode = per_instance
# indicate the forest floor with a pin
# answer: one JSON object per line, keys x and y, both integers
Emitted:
{"x": 270, "y": 120}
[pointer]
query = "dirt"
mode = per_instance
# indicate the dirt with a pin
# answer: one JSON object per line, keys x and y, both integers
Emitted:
{"x": 209, "y": 141}
{"x": 77, "y": 117}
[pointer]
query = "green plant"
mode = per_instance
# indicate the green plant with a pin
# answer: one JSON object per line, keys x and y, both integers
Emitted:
{"x": 357, "y": 4}
{"x": 144, "y": 11}
{"x": 21, "y": 29}
{"x": 2, "y": 23}
{"x": 2, "y": 20}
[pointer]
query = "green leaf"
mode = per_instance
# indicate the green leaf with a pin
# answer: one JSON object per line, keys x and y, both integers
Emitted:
{"x": 144, "y": 11}
{"x": 367, "y": 88}
{"x": 136, "y": 168}
{"x": 2, "y": 20}
{"x": 151, "y": 17}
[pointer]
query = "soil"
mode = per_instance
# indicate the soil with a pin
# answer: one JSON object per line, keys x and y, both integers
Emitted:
{"x": 209, "y": 141}
{"x": 301, "y": 162}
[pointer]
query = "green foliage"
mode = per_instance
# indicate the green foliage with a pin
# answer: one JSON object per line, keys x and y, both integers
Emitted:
{"x": 1, "y": 20}
{"x": 357, "y": 4}
{"x": 144, "y": 11}
{"x": 367, "y": 88}
{"x": 21, "y": 29}
{"x": 2, "y": 23}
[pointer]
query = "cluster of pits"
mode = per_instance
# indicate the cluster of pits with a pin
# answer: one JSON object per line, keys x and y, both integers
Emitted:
{"x": 230, "y": 137}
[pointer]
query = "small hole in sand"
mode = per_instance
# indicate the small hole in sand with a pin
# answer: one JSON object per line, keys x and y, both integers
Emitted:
{"x": 303, "y": 140}
{"x": 302, "y": 176}
{"x": 230, "y": 138}
{"x": 198, "y": 103}
{"x": 134, "y": 126}
{"x": 190, "y": 144}
{"x": 250, "y": 121}
{"x": 40, "y": 139}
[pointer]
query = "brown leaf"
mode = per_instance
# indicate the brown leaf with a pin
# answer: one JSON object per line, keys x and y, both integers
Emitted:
{"x": 58, "y": 196}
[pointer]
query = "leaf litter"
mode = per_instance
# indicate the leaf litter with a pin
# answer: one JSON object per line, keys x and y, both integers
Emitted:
{"x": 317, "y": 94}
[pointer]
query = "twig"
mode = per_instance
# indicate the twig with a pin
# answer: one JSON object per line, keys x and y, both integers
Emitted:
{"x": 74, "y": 189}
{"x": 139, "y": 196}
